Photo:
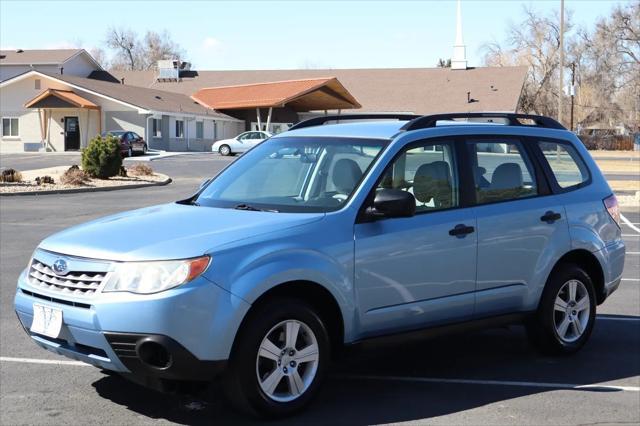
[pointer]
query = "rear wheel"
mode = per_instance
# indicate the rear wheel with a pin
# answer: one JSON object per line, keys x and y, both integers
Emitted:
{"x": 279, "y": 359}
{"x": 144, "y": 149}
{"x": 224, "y": 150}
{"x": 130, "y": 152}
{"x": 566, "y": 314}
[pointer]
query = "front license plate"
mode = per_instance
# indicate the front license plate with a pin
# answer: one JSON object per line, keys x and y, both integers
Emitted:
{"x": 47, "y": 320}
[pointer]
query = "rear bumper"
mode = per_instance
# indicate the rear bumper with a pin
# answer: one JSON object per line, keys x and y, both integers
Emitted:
{"x": 612, "y": 260}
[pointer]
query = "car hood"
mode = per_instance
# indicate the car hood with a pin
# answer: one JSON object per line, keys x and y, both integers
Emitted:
{"x": 168, "y": 231}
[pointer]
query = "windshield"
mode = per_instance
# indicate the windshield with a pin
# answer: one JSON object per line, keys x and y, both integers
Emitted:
{"x": 294, "y": 174}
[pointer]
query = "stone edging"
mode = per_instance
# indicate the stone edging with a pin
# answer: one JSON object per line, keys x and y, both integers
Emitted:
{"x": 166, "y": 181}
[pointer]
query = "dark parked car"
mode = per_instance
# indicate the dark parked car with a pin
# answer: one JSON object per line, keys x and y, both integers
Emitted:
{"x": 130, "y": 142}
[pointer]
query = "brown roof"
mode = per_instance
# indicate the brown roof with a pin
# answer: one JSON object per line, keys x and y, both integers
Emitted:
{"x": 67, "y": 96}
{"x": 144, "y": 98}
{"x": 417, "y": 90}
{"x": 36, "y": 57}
{"x": 301, "y": 95}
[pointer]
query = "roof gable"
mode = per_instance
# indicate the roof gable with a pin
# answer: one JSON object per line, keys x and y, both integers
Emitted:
{"x": 37, "y": 57}
{"x": 301, "y": 95}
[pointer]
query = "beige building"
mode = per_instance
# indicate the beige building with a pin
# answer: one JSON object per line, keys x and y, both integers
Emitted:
{"x": 179, "y": 109}
{"x": 44, "y": 111}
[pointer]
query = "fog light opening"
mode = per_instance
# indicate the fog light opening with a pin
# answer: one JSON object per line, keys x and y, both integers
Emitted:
{"x": 154, "y": 355}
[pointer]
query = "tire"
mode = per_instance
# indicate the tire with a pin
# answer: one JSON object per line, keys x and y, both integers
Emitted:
{"x": 564, "y": 327}
{"x": 130, "y": 152}
{"x": 250, "y": 373}
{"x": 224, "y": 150}
{"x": 144, "y": 149}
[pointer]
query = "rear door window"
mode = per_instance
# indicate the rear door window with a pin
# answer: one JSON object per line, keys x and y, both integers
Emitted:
{"x": 565, "y": 164}
{"x": 501, "y": 170}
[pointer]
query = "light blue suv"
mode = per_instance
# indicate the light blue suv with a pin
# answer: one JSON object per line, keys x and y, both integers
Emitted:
{"x": 330, "y": 234}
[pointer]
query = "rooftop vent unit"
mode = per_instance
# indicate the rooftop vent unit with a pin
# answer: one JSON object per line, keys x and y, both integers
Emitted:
{"x": 171, "y": 69}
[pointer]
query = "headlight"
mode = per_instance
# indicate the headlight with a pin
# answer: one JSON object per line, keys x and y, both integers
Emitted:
{"x": 153, "y": 277}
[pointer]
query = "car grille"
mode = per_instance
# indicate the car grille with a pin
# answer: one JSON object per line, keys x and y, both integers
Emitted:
{"x": 75, "y": 283}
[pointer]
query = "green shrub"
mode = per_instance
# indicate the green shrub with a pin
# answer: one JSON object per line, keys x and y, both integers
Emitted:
{"x": 101, "y": 159}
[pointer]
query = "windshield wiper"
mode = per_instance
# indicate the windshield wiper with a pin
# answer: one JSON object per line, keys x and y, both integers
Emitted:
{"x": 252, "y": 208}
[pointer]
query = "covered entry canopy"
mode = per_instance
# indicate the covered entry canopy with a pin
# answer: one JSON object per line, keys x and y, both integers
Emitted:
{"x": 54, "y": 98}
{"x": 300, "y": 95}
{"x": 292, "y": 95}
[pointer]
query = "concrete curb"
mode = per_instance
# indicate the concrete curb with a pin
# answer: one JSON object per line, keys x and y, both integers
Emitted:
{"x": 167, "y": 181}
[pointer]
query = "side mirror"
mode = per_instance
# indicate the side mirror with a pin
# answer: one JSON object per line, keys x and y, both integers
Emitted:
{"x": 393, "y": 203}
{"x": 204, "y": 183}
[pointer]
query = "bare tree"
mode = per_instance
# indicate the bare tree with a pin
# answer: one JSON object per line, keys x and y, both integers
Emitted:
{"x": 606, "y": 59}
{"x": 444, "y": 63}
{"x": 159, "y": 46}
{"x": 535, "y": 43}
{"x": 100, "y": 56}
{"x": 134, "y": 53}
{"x": 127, "y": 48}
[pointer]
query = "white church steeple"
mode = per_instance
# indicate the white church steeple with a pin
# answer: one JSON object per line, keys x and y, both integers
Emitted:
{"x": 459, "y": 58}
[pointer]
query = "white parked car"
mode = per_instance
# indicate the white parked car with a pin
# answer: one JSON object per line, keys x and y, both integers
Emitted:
{"x": 241, "y": 143}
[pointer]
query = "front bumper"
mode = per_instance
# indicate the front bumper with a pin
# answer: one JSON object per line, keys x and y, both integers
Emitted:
{"x": 193, "y": 326}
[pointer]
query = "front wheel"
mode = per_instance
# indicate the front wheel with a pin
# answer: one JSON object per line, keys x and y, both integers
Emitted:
{"x": 566, "y": 314}
{"x": 130, "y": 152}
{"x": 279, "y": 359}
{"x": 224, "y": 150}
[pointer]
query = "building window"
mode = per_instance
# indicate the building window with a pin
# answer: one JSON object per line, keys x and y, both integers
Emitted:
{"x": 179, "y": 128}
{"x": 157, "y": 128}
{"x": 10, "y": 127}
{"x": 37, "y": 84}
{"x": 199, "y": 130}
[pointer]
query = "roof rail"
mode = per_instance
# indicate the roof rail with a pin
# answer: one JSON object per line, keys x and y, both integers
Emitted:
{"x": 512, "y": 119}
{"x": 318, "y": 121}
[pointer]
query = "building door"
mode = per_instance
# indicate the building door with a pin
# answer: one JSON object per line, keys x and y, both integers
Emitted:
{"x": 71, "y": 134}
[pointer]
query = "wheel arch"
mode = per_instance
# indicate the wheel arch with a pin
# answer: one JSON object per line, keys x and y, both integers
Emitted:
{"x": 591, "y": 265}
{"x": 316, "y": 295}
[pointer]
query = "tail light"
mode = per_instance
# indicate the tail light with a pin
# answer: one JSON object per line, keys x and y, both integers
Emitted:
{"x": 611, "y": 204}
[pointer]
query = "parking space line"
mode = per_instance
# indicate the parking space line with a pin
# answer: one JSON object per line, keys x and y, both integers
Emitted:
{"x": 630, "y": 279}
{"x": 43, "y": 361}
{"x": 631, "y": 235}
{"x": 569, "y": 386}
{"x": 629, "y": 224}
{"x": 616, "y": 318}
{"x": 633, "y": 252}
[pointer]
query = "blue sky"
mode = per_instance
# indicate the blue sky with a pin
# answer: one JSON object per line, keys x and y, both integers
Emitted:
{"x": 285, "y": 34}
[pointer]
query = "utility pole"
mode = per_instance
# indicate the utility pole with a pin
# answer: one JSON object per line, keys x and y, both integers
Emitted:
{"x": 572, "y": 91}
{"x": 560, "y": 83}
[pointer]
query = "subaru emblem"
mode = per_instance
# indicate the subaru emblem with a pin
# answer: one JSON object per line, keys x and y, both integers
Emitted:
{"x": 60, "y": 266}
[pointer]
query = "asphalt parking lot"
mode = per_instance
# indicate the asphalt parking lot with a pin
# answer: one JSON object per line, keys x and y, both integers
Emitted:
{"x": 487, "y": 377}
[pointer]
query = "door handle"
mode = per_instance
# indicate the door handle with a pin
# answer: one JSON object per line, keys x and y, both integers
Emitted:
{"x": 461, "y": 230}
{"x": 550, "y": 217}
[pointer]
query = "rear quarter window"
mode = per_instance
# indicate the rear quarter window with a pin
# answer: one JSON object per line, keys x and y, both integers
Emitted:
{"x": 566, "y": 165}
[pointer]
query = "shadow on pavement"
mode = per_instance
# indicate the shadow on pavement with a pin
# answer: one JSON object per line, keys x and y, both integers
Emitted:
{"x": 501, "y": 354}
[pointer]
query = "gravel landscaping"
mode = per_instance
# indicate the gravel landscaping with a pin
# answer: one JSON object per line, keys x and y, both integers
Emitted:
{"x": 29, "y": 185}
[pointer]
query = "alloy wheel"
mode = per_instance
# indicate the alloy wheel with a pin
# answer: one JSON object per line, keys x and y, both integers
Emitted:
{"x": 287, "y": 361}
{"x": 571, "y": 311}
